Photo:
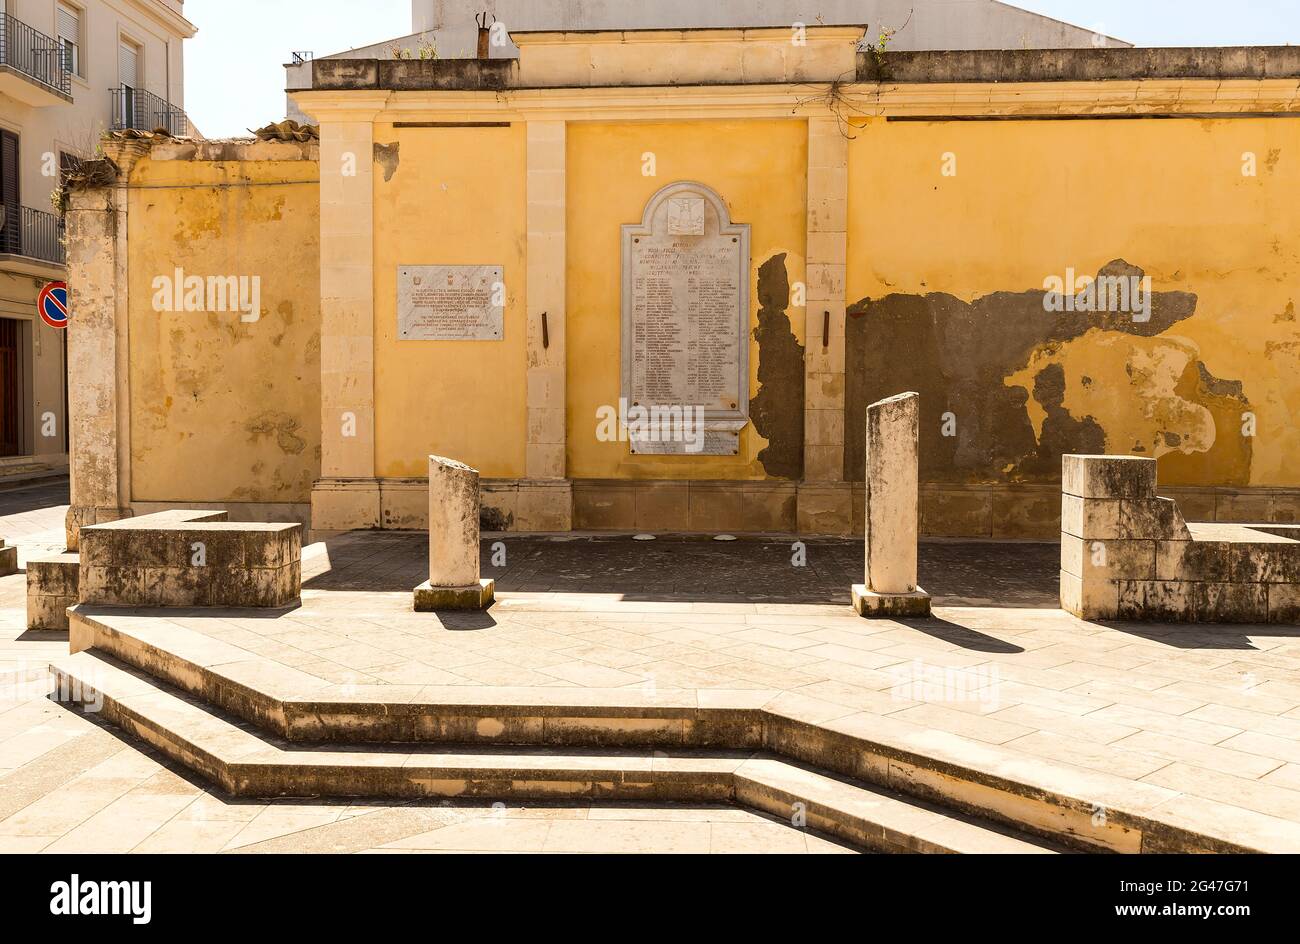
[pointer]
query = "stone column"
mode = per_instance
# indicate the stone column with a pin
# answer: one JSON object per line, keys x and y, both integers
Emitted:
{"x": 454, "y": 582}
{"x": 347, "y": 494}
{"x": 892, "y": 481}
{"x": 546, "y": 497}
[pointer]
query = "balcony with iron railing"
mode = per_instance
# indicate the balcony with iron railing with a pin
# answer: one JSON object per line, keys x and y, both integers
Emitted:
{"x": 31, "y": 236}
{"x": 32, "y": 66}
{"x": 144, "y": 111}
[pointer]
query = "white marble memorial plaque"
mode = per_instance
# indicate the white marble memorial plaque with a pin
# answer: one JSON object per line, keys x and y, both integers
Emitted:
{"x": 686, "y": 320}
{"x": 450, "y": 303}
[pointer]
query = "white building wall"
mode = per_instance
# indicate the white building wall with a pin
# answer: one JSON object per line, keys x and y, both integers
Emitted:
{"x": 934, "y": 24}
{"x": 159, "y": 28}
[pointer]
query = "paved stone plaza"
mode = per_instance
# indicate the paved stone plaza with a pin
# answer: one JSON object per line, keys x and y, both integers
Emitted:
{"x": 1202, "y": 723}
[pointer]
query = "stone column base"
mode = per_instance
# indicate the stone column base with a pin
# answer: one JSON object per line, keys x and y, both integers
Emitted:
{"x": 872, "y": 605}
{"x": 429, "y": 598}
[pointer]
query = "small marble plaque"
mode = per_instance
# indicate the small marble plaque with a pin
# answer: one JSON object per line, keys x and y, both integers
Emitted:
{"x": 450, "y": 303}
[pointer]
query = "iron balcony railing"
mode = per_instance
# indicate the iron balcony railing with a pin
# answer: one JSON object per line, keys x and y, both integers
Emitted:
{"x": 144, "y": 111}
{"x": 33, "y": 54}
{"x": 31, "y": 233}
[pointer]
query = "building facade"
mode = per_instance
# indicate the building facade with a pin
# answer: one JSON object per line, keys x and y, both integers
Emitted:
{"x": 463, "y": 266}
{"x": 69, "y": 70}
{"x": 449, "y": 28}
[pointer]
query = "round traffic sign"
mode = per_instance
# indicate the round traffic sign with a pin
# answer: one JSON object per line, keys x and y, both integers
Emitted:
{"x": 52, "y": 303}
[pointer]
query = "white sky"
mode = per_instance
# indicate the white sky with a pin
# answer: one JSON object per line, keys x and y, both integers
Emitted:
{"x": 234, "y": 78}
{"x": 234, "y": 67}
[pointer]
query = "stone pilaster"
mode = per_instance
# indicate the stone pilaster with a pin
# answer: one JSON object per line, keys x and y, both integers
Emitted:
{"x": 548, "y": 505}
{"x": 98, "y": 347}
{"x": 827, "y": 259}
{"x": 347, "y": 494}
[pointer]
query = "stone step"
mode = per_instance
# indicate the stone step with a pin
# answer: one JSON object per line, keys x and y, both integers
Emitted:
{"x": 1084, "y": 808}
{"x": 242, "y": 761}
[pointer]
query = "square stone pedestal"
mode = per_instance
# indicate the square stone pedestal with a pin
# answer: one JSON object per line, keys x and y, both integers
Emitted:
{"x": 474, "y": 597}
{"x": 872, "y": 605}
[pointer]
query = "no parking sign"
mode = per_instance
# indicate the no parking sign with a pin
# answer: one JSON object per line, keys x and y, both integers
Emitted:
{"x": 52, "y": 303}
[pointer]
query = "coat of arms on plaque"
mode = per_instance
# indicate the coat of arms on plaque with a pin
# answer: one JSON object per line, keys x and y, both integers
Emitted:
{"x": 686, "y": 216}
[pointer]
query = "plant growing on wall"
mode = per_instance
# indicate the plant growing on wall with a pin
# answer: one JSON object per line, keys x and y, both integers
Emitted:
{"x": 877, "y": 49}
{"x": 427, "y": 49}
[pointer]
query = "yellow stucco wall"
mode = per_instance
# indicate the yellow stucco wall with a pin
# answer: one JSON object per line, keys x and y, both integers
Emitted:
{"x": 945, "y": 277}
{"x": 454, "y": 196}
{"x": 223, "y": 410}
{"x": 1031, "y": 198}
{"x": 759, "y": 167}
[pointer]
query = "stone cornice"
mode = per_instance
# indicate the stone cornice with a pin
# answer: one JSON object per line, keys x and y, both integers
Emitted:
{"x": 1155, "y": 97}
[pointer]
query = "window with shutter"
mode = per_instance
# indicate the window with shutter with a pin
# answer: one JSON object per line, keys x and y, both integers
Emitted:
{"x": 69, "y": 30}
{"x": 10, "y": 236}
{"x": 128, "y": 65}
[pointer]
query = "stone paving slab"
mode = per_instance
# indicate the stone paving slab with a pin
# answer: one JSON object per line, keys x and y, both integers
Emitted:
{"x": 87, "y": 790}
{"x": 1208, "y": 712}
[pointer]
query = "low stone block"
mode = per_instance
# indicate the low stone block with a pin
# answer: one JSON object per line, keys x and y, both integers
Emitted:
{"x": 1089, "y": 600}
{"x": 1108, "y": 560}
{"x": 1155, "y": 519}
{"x": 190, "y": 558}
{"x": 53, "y": 574}
{"x": 429, "y": 598}
{"x": 1160, "y": 600}
{"x": 1093, "y": 518}
{"x": 110, "y": 585}
{"x": 1194, "y": 560}
{"x": 1284, "y": 603}
{"x": 871, "y": 605}
{"x": 48, "y": 612}
{"x": 8, "y": 560}
{"x": 1230, "y": 602}
{"x": 1108, "y": 476}
{"x": 1266, "y": 563}
{"x": 53, "y": 582}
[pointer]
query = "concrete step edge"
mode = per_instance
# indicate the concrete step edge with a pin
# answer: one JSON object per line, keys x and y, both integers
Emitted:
{"x": 1083, "y": 807}
{"x": 245, "y": 764}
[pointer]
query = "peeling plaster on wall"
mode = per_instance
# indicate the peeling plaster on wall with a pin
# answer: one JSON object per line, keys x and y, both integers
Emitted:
{"x": 776, "y": 410}
{"x": 1137, "y": 384}
{"x": 387, "y": 157}
{"x": 1026, "y": 385}
{"x": 280, "y": 425}
{"x": 224, "y": 410}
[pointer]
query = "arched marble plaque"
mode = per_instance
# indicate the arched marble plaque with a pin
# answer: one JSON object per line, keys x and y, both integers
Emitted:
{"x": 685, "y": 320}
